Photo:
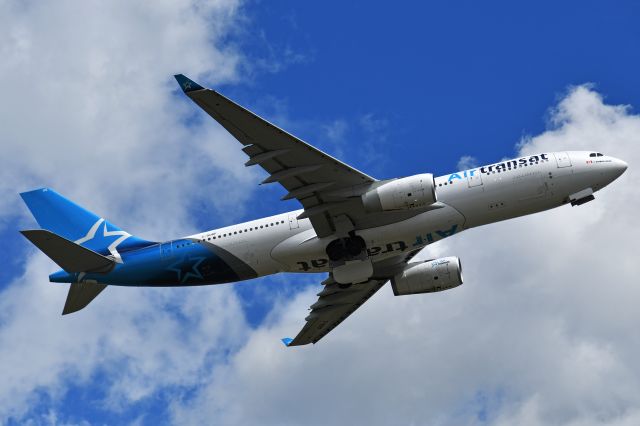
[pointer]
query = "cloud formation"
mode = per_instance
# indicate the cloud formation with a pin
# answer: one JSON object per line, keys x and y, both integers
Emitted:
{"x": 91, "y": 104}
{"x": 542, "y": 332}
{"x": 90, "y": 108}
{"x": 467, "y": 162}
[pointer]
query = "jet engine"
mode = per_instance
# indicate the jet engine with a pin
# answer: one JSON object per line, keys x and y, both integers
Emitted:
{"x": 401, "y": 194}
{"x": 428, "y": 276}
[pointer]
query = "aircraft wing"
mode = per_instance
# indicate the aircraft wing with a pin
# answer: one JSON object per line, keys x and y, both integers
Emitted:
{"x": 335, "y": 303}
{"x": 321, "y": 183}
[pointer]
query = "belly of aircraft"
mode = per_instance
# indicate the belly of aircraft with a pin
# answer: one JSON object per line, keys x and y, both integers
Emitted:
{"x": 305, "y": 252}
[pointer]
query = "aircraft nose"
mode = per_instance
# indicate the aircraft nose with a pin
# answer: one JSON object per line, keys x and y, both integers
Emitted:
{"x": 618, "y": 167}
{"x": 608, "y": 171}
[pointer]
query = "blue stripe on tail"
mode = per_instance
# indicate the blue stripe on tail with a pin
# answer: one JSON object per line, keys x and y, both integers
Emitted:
{"x": 57, "y": 214}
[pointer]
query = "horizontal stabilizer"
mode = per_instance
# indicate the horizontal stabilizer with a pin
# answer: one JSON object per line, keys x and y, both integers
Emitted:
{"x": 80, "y": 295}
{"x": 68, "y": 255}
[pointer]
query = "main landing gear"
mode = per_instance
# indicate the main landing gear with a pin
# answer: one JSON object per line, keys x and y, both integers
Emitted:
{"x": 352, "y": 247}
{"x": 349, "y": 260}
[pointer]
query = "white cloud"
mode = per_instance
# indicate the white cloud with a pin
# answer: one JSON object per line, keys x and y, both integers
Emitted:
{"x": 129, "y": 334}
{"x": 467, "y": 162}
{"x": 91, "y": 103}
{"x": 545, "y": 338}
{"x": 336, "y": 130}
{"x": 543, "y": 331}
{"x": 90, "y": 108}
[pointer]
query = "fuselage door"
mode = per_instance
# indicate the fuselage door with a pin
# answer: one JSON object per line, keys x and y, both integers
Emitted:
{"x": 293, "y": 221}
{"x": 563, "y": 159}
{"x": 166, "y": 250}
{"x": 474, "y": 177}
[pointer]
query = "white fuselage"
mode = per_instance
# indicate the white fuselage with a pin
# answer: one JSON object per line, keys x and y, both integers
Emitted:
{"x": 469, "y": 198}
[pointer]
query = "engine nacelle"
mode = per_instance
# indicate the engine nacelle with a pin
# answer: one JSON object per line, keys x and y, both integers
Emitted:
{"x": 402, "y": 194}
{"x": 428, "y": 276}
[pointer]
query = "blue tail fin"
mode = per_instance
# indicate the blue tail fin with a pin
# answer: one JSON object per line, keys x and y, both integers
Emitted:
{"x": 64, "y": 217}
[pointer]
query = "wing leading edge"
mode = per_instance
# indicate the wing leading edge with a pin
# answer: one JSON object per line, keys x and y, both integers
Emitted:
{"x": 327, "y": 188}
{"x": 321, "y": 183}
{"x": 335, "y": 303}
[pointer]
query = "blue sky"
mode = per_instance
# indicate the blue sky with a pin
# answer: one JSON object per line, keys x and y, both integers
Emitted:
{"x": 421, "y": 67}
{"x": 438, "y": 81}
{"x": 392, "y": 89}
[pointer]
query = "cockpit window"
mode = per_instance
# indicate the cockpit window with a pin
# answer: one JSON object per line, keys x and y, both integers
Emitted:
{"x": 599, "y": 154}
{"x": 593, "y": 154}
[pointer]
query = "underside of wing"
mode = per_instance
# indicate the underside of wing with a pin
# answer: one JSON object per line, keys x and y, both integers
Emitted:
{"x": 321, "y": 183}
{"x": 335, "y": 303}
{"x": 337, "y": 198}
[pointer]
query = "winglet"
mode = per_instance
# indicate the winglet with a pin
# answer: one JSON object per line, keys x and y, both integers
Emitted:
{"x": 187, "y": 85}
{"x": 287, "y": 341}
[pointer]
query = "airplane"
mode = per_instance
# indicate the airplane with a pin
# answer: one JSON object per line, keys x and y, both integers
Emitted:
{"x": 362, "y": 231}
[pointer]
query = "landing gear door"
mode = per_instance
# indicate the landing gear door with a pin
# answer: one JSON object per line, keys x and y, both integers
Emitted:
{"x": 293, "y": 221}
{"x": 474, "y": 178}
{"x": 563, "y": 159}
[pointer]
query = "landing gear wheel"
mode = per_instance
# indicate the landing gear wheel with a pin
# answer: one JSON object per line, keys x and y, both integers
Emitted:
{"x": 335, "y": 250}
{"x": 345, "y": 248}
{"x": 354, "y": 246}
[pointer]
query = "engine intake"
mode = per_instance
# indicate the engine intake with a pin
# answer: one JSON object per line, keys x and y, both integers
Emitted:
{"x": 428, "y": 276}
{"x": 401, "y": 194}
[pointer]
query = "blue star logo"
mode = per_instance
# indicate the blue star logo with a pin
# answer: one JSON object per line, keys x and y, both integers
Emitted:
{"x": 187, "y": 267}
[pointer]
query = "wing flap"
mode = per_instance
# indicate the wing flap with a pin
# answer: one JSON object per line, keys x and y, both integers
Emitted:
{"x": 336, "y": 302}
{"x": 303, "y": 170}
{"x": 334, "y": 305}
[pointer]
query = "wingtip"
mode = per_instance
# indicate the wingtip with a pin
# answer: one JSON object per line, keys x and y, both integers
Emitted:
{"x": 186, "y": 84}
{"x": 287, "y": 341}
